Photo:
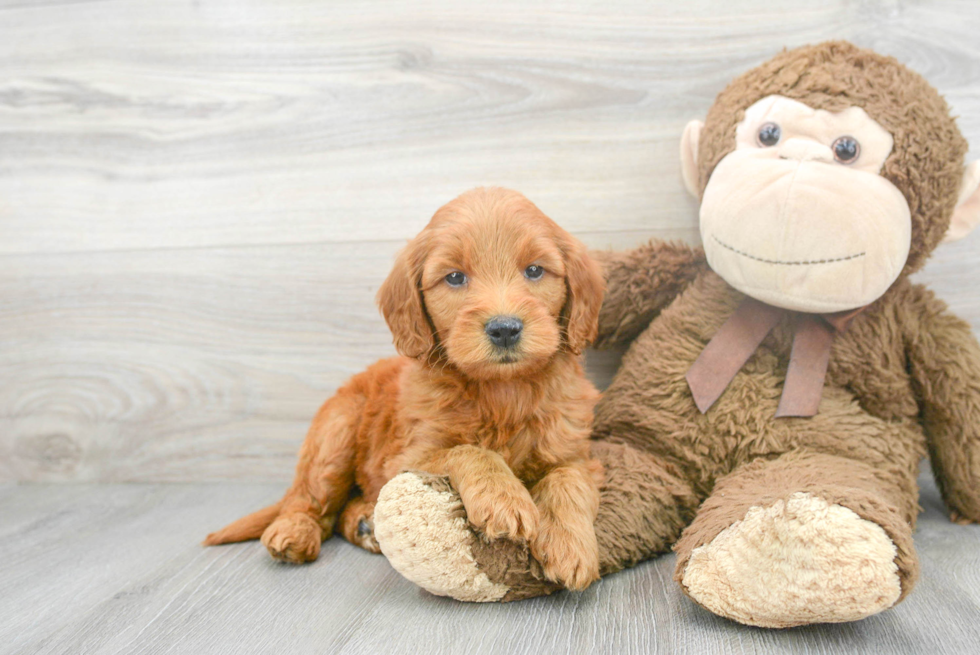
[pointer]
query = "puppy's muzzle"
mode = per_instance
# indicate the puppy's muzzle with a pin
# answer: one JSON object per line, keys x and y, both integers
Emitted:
{"x": 504, "y": 331}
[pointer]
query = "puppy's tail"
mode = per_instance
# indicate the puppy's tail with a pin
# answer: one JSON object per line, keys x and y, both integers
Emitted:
{"x": 245, "y": 528}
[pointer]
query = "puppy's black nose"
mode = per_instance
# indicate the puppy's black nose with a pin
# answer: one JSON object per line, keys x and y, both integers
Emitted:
{"x": 504, "y": 331}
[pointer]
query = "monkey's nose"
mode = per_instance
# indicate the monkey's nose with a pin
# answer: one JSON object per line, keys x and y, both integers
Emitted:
{"x": 504, "y": 331}
{"x": 805, "y": 150}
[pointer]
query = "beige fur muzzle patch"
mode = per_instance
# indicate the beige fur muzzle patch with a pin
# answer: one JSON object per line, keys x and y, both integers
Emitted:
{"x": 793, "y": 563}
{"x": 424, "y": 533}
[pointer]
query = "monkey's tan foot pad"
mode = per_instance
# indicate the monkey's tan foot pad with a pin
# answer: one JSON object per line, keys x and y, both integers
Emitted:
{"x": 795, "y": 562}
{"x": 421, "y": 526}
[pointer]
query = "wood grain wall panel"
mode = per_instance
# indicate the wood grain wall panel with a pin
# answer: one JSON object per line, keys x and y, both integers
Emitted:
{"x": 198, "y": 201}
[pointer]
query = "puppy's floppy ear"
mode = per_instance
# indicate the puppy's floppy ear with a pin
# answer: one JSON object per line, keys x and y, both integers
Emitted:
{"x": 400, "y": 300}
{"x": 586, "y": 286}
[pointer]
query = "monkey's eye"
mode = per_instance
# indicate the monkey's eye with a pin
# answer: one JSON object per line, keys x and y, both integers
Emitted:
{"x": 456, "y": 279}
{"x": 769, "y": 135}
{"x": 533, "y": 272}
{"x": 846, "y": 149}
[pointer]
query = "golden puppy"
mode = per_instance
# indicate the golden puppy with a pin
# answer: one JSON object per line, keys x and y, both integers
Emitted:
{"x": 490, "y": 306}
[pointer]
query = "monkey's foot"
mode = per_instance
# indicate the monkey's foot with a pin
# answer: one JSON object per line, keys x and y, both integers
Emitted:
{"x": 421, "y": 526}
{"x": 795, "y": 562}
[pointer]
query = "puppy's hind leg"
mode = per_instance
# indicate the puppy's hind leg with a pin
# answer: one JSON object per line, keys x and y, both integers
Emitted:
{"x": 356, "y": 524}
{"x": 324, "y": 477}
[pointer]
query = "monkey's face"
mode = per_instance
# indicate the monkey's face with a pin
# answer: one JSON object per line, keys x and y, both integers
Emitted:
{"x": 798, "y": 215}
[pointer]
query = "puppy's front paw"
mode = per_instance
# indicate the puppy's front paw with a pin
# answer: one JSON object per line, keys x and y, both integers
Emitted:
{"x": 568, "y": 555}
{"x": 506, "y": 511}
{"x": 293, "y": 538}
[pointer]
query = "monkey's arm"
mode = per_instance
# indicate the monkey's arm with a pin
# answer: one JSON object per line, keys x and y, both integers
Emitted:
{"x": 944, "y": 359}
{"x": 639, "y": 284}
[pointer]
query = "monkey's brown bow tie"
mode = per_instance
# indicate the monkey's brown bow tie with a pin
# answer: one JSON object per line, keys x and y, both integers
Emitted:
{"x": 740, "y": 336}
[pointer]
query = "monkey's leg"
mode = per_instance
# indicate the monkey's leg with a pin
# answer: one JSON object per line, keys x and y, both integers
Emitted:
{"x": 421, "y": 527}
{"x": 803, "y": 538}
{"x": 324, "y": 477}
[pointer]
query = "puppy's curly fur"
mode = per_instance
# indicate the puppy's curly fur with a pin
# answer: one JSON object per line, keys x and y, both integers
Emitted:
{"x": 509, "y": 426}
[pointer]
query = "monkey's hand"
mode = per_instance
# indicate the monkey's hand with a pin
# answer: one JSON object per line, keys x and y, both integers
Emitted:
{"x": 945, "y": 366}
{"x": 639, "y": 284}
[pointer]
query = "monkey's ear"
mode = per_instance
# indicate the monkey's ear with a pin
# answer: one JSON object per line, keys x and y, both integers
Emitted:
{"x": 967, "y": 212}
{"x": 689, "y": 157}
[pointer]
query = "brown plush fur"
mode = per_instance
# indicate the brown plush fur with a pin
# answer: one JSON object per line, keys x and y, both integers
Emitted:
{"x": 904, "y": 378}
{"x": 509, "y": 428}
{"x": 894, "y": 388}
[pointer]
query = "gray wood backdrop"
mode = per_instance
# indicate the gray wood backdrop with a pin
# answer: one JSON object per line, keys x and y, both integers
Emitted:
{"x": 198, "y": 200}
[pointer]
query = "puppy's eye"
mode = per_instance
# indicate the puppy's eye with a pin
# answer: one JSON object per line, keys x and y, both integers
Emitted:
{"x": 769, "y": 135}
{"x": 533, "y": 272}
{"x": 846, "y": 149}
{"x": 456, "y": 279}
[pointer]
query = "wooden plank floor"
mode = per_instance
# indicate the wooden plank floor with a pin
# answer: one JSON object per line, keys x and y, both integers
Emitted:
{"x": 116, "y": 568}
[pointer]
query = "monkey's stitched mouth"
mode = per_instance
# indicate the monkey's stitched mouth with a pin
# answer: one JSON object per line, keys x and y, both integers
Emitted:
{"x": 802, "y": 262}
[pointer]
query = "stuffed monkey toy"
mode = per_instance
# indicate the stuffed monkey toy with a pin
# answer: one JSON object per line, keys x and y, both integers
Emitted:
{"x": 782, "y": 382}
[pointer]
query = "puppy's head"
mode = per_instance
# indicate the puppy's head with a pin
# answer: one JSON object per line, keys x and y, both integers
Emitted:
{"x": 494, "y": 286}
